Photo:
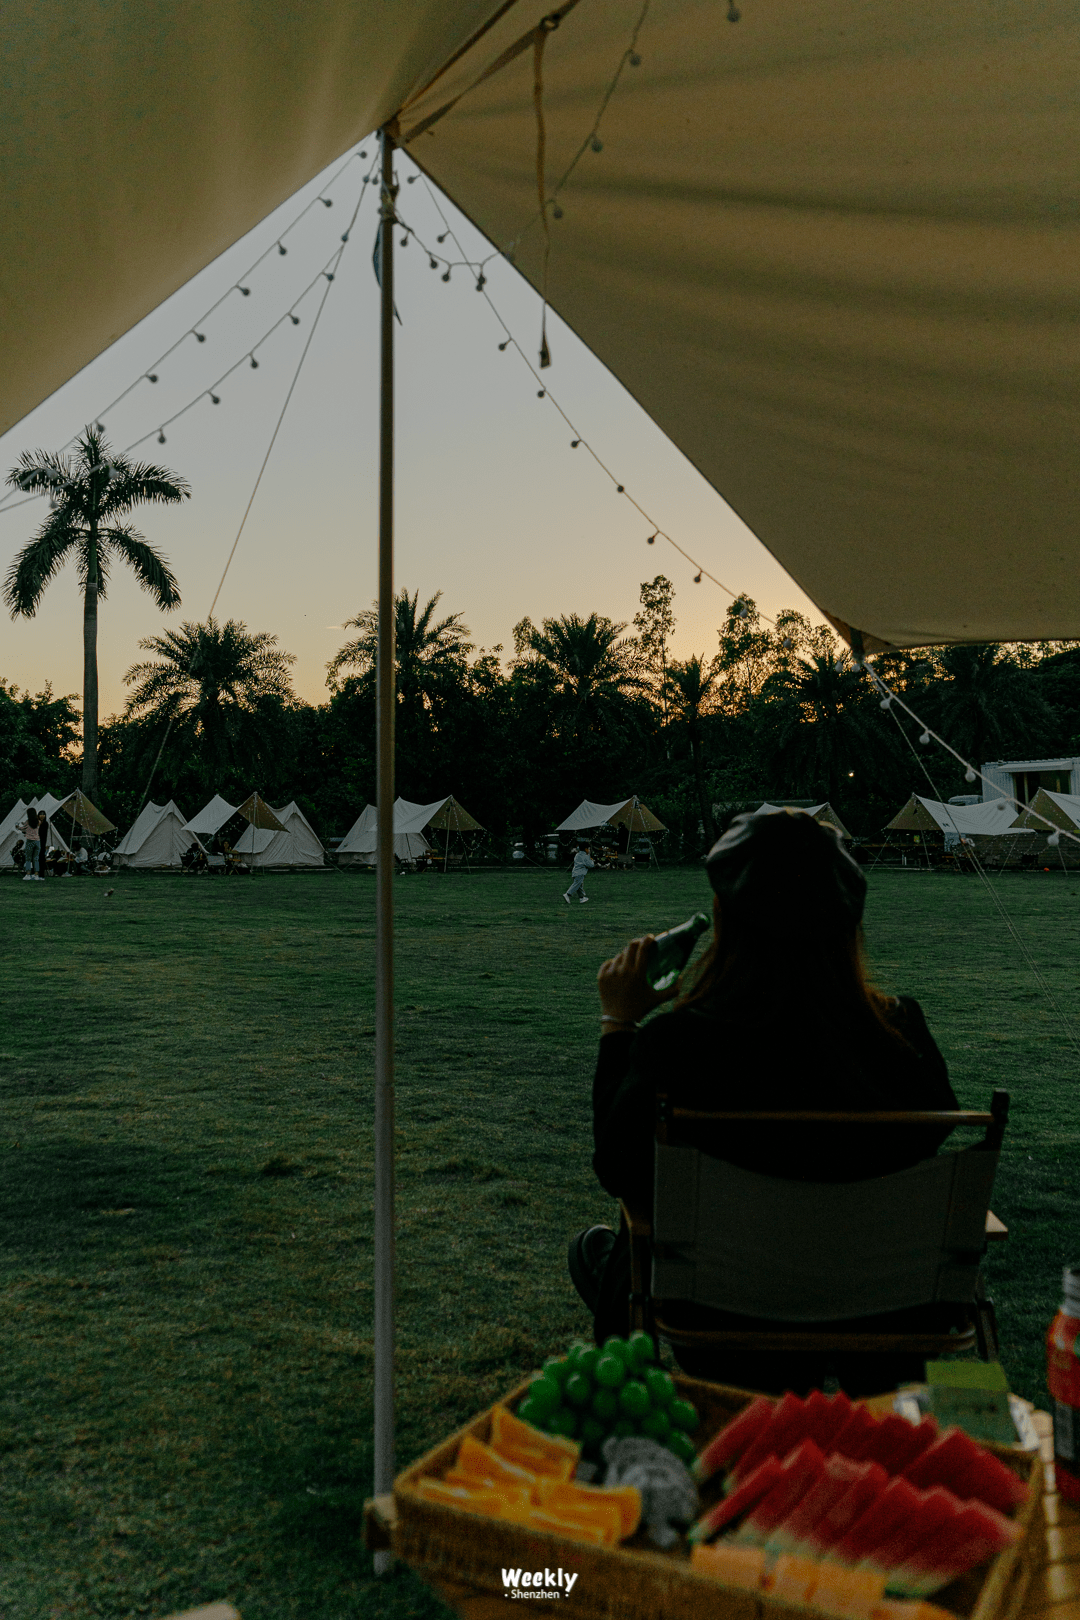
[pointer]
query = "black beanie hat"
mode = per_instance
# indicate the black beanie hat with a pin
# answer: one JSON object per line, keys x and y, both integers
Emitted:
{"x": 782, "y": 866}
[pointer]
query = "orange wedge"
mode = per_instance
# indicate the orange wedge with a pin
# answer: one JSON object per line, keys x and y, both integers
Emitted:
{"x": 735, "y": 1566}
{"x": 570, "y": 1496}
{"x": 848, "y": 1594}
{"x": 492, "y": 1504}
{"x": 502, "y": 1487}
{"x": 510, "y": 1434}
{"x": 475, "y": 1458}
{"x": 563, "y": 1525}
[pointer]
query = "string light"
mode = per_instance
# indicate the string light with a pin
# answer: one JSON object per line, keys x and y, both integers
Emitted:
{"x": 200, "y": 337}
{"x": 596, "y": 145}
{"x": 151, "y": 376}
{"x": 540, "y": 392}
{"x": 574, "y": 443}
{"x": 925, "y": 738}
{"x": 556, "y": 212}
{"x": 329, "y": 274}
{"x": 970, "y": 774}
{"x": 282, "y": 249}
{"x": 651, "y": 541}
{"x": 1055, "y": 839}
{"x": 294, "y": 318}
{"x": 254, "y": 363}
{"x": 697, "y": 579}
{"x": 503, "y": 346}
{"x": 161, "y": 436}
{"x": 619, "y": 489}
{"x": 886, "y": 703}
{"x": 634, "y": 59}
{"x": 216, "y": 399}
{"x": 344, "y": 236}
{"x": 446, "y": 277}
{"x": 327, "y": 202}
{"x": 245, "y": 290}
{"x": 100, "y": 427}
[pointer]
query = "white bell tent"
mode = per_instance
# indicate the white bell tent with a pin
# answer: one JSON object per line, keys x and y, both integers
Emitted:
{"x": 358, "y": 846}
{"x": 211, "y": 818}
{"x": 295, "y": 845}
{"x": 156, "y": 839}
{"x": 9, "y": 831}
{"x": 956, "y": 821}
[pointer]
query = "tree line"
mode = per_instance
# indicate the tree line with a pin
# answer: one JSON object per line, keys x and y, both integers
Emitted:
{"x": 581, "y": 706}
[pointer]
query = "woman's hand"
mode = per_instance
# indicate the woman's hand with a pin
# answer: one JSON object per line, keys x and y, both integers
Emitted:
{"x": 625, "y": 993}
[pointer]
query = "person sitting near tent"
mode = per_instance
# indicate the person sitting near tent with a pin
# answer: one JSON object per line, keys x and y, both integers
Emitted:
{"x": 81, "y": 867}
{"x": 778, "y": 1015}
{"x": 31, "y": 847}
{"x": 583, "y": 862}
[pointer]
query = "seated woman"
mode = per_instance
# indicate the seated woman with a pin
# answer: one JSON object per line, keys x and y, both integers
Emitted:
{"x": 778, "y": 1015}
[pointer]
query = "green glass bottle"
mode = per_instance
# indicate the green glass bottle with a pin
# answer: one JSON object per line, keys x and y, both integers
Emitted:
{"x": 672, "y": 950}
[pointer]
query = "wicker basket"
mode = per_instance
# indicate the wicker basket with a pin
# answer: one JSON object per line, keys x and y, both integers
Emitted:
{"x": 634, "y": 1581}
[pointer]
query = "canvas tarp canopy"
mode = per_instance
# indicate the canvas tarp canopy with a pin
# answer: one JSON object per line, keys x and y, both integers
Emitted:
{"x": 156, "y": 838}
{"x": 1062, "y": 809}
{"x": 296, "y": 844}
{"x": 629, "y": 813}
{"x": 851, "y": 236}
{"x": 84, "y": 814}
{"x": 211, "y": 818}
{"x": 9, "y": 831}
{"x": 256, "y": 811}
{"x": 820, "y": 812}
{"x": 956, "y": 821}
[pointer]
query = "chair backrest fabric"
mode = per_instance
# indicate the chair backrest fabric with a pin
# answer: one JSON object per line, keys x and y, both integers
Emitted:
{"x": 805, "y": 1251}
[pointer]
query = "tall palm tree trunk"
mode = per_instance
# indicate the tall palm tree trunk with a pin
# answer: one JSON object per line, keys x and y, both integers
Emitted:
{"x": 90, "y": 676}
{"x": 707, "y": 823}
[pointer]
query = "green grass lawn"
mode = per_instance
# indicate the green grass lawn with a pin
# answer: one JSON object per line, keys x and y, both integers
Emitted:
{"x": 186, "y": 1194}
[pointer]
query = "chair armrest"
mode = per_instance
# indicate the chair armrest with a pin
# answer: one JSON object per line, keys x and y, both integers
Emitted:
{"x": 996, "y": 1231}
{"x": 638, "y": 1219}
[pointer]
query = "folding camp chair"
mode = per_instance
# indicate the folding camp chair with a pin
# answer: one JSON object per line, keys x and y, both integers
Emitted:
{"x": 823, "y": 1254}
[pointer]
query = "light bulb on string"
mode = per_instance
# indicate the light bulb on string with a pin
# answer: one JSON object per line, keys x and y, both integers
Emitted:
{"x": 216, "y": 399}
{"x": 100, "y": 427}
{"x": 327, "y": 202}
{"x": 540, "y": 392}
{"x": 925, "y": 738}
{"x": 447, "y": 275}
{"x": 433, "y": 264}
{"x": 200, "y": 337}
{"x": 503, "y": 346}
{"x": 634, "y": 59}
{"x": 254, "y": 363}
{"x": 443, "y": 237}
{"x": 619, "y": 490}
{"x": 597, "y": 144}
{"x": 970, "y": 775}
{"x": 697, "y": 579}
{"x": 151, "y": 376}
{"x": 161, "y": 436}
{"x": 556, "y": 212}
{"x": 282, "y": 249}
{"x": 329, "y": 274}
{"x": 294, "y": 318}
{"x": 886, "y": 703}
{"x": 246, "y": 291}
{"x": 404, "y": 241}
{"x": 363, "y": 154}
{"x": 1055, "y": 839}
{"x": 651, "y": 541}
{"x": 410, "y": 180}
{"x": 344, "y": 236}
{"x": 574, "y": 443}
{"x": 481, "y": 282}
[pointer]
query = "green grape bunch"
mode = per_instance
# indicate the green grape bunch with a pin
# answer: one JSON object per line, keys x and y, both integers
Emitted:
{"x": 590, "y": 1394}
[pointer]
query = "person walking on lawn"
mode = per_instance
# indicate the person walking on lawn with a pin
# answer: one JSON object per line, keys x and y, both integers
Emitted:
{"x": 31, "y": 846}
{"x": 583, "y": 862}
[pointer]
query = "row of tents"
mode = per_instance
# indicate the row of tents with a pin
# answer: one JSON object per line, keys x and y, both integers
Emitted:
{"x": 997, "y": 832}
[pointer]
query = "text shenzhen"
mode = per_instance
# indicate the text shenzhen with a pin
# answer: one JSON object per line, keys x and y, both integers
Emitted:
{"x": 537, "y": 1583}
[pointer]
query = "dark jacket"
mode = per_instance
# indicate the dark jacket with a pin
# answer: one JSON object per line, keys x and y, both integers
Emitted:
{"x": 716, "y": 1063}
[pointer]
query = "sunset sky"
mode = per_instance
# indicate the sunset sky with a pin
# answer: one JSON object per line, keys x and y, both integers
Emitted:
{"x": 494, "y": 507}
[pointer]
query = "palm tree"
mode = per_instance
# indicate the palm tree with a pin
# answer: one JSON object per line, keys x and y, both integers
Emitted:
{"x": 820, "y": 715}
{"x": 590, "y": 667}
{"x": 88, "y": 492}
{"x": 426, "y": 650}
{"x": 690, "y": 690}
{"x": 987, "y": 706}
{"x": 218, "y": 690}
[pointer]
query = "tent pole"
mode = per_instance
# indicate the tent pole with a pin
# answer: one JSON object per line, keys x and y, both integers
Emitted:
{"x": 384, "y": 866}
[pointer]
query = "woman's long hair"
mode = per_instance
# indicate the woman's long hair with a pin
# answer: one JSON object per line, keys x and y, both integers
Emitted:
{"x": 786, "y": 955}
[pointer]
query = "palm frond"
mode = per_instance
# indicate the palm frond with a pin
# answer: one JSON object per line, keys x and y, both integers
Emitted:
{"x": 36, "y": 564}
{"x": 147, "y": 564}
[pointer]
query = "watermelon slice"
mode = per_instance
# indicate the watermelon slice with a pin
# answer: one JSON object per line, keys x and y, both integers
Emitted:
{"x": 802, "y": 1468}
{"x": 856, "y": 1435}
{"x": 828, "y": 1419}
{"x": 937, "y": 1508}
{"x": 975, "y": 1534}
{"x": 864, "y": 1489}
{"x": 956, "y": 1462}
{"x": 785, "y": 1429}
{"x": 734, "y": 1438}
{"x": 741, "y": 1500}
{"x": 893, "y": 1508}
{"x": 896, "y": 1443}
{"x": 839, "y": 1474}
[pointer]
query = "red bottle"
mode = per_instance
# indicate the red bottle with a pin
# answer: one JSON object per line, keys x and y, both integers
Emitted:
{"x": 1063, "y": 1379}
